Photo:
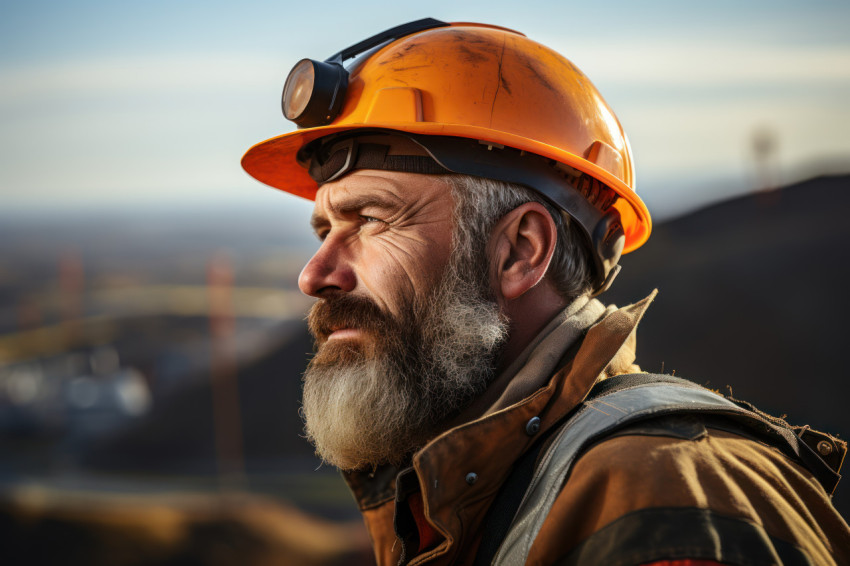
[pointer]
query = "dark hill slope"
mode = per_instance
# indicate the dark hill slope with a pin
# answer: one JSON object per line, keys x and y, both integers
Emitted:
{"x": 753, "y": 295}
{"x": 177, "y": 437}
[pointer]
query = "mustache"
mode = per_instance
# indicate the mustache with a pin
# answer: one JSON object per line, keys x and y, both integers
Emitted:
{"x": 345, "y": 311}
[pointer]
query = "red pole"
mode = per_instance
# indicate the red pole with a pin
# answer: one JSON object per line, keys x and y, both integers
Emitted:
{"x": 225, "y": 385}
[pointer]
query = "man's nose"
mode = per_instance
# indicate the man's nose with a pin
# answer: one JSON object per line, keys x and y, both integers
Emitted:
{"x": 327, "y": 272}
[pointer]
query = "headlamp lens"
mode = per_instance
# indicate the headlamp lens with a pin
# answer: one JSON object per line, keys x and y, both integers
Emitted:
{"x": 298, "y": 89}
{"x": 314, "y": 92}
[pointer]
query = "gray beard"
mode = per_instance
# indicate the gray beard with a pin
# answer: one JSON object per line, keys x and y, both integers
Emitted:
{"x": 379, "y": 405}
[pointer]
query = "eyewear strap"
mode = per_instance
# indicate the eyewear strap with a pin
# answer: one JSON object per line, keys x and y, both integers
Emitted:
{"x": 336, "y": 158}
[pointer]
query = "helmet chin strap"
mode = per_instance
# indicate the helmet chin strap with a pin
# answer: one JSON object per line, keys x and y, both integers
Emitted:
{"x": 332, "y": 157}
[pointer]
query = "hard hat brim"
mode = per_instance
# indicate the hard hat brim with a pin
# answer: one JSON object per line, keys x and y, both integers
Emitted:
{"x": 273, "y": 162}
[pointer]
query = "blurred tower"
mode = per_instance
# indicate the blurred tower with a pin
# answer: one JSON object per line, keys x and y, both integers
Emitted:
{"x": 225, "y": 385}
{"x": 765, "y": 144}
{"x": 72, "y": 282}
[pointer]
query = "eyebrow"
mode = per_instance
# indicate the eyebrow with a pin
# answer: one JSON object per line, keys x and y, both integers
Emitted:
{"x": 352, "y": 204}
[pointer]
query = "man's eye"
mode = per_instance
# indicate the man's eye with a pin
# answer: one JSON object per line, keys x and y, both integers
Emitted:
{"x": 369, "y": 219}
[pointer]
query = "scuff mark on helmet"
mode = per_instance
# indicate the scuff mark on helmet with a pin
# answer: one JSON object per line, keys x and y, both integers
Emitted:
{"x": 538, "y": 76}
{"x": 502, "y": 82}
{"x": 403, "y": 52}
{"x": 401, "y": 69}
{"x": 469, "y": 56}
{"x": 505, "y": 84}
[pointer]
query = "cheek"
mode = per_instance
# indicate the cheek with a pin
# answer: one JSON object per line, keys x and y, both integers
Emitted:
{"x": 387, "y": 276}
{"x": 393, "y": 272}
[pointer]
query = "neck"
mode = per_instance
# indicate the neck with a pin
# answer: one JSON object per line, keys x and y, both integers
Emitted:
{"x": 528, "y": 314}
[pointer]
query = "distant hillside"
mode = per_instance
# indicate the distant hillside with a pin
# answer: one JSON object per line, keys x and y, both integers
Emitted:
{"x": 177, "y": 436}
{"x": 752, "y": 295}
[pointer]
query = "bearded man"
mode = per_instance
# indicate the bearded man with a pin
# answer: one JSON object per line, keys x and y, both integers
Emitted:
{"x": 473, "y": 193}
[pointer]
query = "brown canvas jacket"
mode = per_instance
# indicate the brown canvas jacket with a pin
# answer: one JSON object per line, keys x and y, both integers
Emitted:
{"x": 628, "y": 481}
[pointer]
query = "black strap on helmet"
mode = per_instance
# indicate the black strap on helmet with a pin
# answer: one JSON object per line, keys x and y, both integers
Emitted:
{"x": 385, "y": 36}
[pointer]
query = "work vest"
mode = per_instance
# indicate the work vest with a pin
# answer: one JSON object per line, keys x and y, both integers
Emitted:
{"x": 626, "y": 403}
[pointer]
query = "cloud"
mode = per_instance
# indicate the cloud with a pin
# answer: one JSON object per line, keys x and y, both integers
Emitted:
{"x": 668, "y": 64}
{"x": 131, "y": 76}
{"x": 713, "y": 63}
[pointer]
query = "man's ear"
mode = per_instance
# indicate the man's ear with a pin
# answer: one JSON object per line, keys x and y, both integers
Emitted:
{"x": 521, "y": 247}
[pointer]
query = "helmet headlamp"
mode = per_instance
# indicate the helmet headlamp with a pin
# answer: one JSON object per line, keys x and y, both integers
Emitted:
{"x": 315, "y": 90}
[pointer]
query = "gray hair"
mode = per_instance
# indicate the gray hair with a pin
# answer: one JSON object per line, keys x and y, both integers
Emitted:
{"x": 480, "y": 203}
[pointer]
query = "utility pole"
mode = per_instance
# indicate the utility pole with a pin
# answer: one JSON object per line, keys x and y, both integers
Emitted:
{"x": 225, "y": 385}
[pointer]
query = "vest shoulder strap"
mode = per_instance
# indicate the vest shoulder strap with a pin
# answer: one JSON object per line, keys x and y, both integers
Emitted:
{"x": 612, "y": 405}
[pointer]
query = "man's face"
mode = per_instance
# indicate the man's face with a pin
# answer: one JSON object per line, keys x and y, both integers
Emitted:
{"x": 405, "y": 329}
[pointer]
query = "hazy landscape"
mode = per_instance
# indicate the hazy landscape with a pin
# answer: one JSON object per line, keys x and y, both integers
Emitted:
{"x": 161, "y": 356}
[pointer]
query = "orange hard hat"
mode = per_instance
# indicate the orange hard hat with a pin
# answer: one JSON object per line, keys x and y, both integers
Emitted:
{"x": 461, "y": 80}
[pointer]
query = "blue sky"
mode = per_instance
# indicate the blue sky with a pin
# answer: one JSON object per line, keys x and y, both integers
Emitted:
{"x": 126, "y": 104}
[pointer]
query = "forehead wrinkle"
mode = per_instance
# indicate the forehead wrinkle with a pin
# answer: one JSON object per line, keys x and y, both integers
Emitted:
{"x": 359, "y": 193}
{"x": 365, "y": 188}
